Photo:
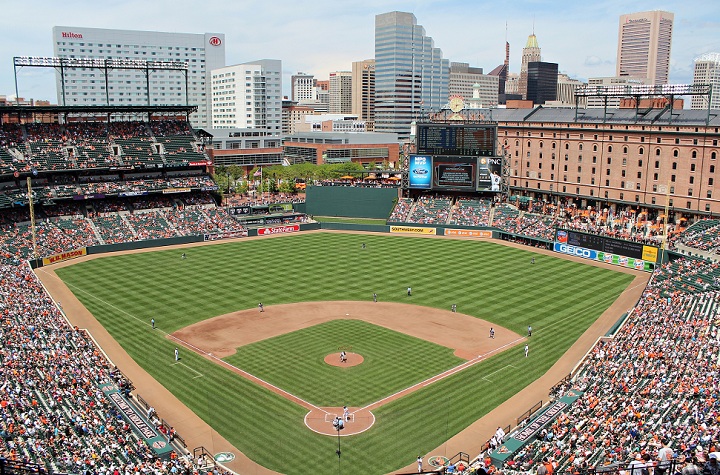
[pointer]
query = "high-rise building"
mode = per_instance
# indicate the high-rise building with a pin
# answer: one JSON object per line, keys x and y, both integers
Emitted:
{"x": 707, "y": 71}
{"x": 127, "y": 87}
{"x": 530, "y": 53}
{"x": 410, "y": 73}
{"x": 542, "y": 79}
{"x": 502, "y": 72}
{"x": 566, "y": 91}
{"x": 644, "y": 41}
{"x": 340, "y": 93}
{"x": 248, "y": 95}
{"x": 302, "y": 87}
{"x": 363, "y": 91}
{"x": 465, "y": 80}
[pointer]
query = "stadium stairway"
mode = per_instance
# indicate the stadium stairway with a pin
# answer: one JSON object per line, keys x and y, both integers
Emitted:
{"x": 98, "y": 236}
{"x": 491, "y": 218}
{"x": 129, "y": 225}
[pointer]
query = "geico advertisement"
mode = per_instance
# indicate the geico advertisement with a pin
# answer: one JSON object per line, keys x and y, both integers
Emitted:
{"x": 575, "y": 251}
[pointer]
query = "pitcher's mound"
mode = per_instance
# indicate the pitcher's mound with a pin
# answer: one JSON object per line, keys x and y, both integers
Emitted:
{"x": 352, "y": 359}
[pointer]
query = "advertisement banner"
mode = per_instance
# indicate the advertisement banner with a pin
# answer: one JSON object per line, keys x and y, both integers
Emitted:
{"x": 176, "y": 190}
{"x": 64, "y": 256}
{"x": 650, "y": 253}
{"x": 132, "y": 193}
{"x": 225, "y": 235}
{"x": 489, "y": 174}
{"x": 624, "y": 261}
{"x": 575, "y": 251}
{"x": 239, "y": 210}
{"x": 420, "y": 171}
{"x": 278, "y": 230}
{"x": 412, "y": 230}
{"x": 468, "y": 233}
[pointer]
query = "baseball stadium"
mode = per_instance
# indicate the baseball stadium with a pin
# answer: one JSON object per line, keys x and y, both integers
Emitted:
{"x": 415, "y": 319}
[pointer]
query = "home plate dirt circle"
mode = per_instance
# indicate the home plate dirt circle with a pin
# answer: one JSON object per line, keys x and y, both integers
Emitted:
{"x": 352, "y": 359}
{"x": 320, "y": 420}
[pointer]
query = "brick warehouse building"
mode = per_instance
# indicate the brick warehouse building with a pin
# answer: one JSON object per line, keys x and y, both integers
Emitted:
{"x": 618, "y": 157}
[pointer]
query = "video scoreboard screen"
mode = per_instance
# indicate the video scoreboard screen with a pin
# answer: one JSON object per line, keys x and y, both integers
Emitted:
{"x": 456, "y": 139}
{"x": 448, "y": 172}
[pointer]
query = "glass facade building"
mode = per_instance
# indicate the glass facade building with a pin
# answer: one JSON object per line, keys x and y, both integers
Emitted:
{"x": 410, "y": 73}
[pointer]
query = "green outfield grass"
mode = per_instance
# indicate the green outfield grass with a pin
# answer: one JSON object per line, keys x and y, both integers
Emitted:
{"x": 295, "y": 362}
{"x": 559, "y": 298}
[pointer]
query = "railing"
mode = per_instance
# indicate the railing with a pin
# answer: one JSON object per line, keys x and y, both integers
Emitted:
{"x": 528, "y": 414}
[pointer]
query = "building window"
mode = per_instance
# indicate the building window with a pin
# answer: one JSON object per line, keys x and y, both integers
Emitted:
{"x": 657, "y": 164}
{"x": 624, "y": 149}
{"x": 639, "y": 163}
{"x": 609, "y": 148}
{"x": 652, "y": 200}
{"x": 688, "y": 204}
{"x": 609, "y": 160}
{"x": 709, "y": 194}
{"x": 675, "y": 153}
{"x": 692, "y": 180}
{"x": 607, "y": 182}
{"x": 689, "y": 191}
{"x": 692, "y": 167}
{"x": 641, "y": 151}
{"x": 694, "y": 154}
{"x": 655, "y": 176}
{"x": 657, "y": 152}
{"x": 672, "y": 178}
{"x": 622, "y": 196}
{"x": 710, "y": 181}
{"x": 674, "y": 166}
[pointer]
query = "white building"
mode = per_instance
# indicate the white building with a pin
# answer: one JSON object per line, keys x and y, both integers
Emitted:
{"x": 202, "y": 53}
{"x": 330, "y": 123}
{"x": 248, "y": 95}
{"x": 463, "y": 82}
{"x": 644, "y": 41}
{"x": 707, "y": 71}
{"x": 303, "y": 87}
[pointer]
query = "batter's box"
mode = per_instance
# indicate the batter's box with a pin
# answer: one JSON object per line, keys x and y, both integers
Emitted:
{"x": 330, "y": 417}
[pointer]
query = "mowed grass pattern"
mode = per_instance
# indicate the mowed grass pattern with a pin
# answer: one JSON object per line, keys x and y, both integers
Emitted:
{"x": 295, "y": 362}
{"x": 559, "y": 298}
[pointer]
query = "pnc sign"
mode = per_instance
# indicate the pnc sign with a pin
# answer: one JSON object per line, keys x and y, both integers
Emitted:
{"x": 215, "y": 41}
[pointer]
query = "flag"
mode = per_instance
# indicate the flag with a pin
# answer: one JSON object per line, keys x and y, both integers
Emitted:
{"x": 258, "y": 173}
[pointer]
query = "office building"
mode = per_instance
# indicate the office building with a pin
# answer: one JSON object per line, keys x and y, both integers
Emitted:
{"x": 363, "y": 91}
{"x": 410, "y": 73}
{"x": 340, "y": 92}
{"x": 530, "y": 53}
{"x": 302, "y": 87}
{"x": 644, "y": 41}
{"x": 127, "y": 87}
{"x": 542, "y": 79}
{"x": 707, "y": 71}
{"x": 248, "y": 95}
{"x": 566, "y": 92}
{"x": 463, "y": 80}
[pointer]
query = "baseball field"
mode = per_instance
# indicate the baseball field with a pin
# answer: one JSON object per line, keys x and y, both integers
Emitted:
{"x": 207, "y": 305}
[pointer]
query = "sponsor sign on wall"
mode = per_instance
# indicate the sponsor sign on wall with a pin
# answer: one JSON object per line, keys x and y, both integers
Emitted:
{"x": 64, "y": 256}
{"x": 420, "y": 171}
{"x": 278, "y": 230}
{"x": 412, "y": 230}
{"x": 575, "y": 251}
{"x": 468, "y": 233}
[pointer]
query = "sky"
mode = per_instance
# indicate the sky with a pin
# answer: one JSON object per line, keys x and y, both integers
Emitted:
{"x": 321, "y": 36}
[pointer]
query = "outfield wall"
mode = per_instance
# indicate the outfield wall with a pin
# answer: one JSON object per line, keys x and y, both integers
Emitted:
{"x": 350, "y": 202}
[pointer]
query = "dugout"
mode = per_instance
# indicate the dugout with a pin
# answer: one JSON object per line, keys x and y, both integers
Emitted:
{"x": 350, "y": 201}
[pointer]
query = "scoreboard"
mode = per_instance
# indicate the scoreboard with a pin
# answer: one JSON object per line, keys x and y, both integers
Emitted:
{"x": 608, "y": 245}
{"x": 469, "y": 140}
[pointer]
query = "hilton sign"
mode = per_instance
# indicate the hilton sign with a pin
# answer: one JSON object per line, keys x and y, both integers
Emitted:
{"x": 68, "y": 34}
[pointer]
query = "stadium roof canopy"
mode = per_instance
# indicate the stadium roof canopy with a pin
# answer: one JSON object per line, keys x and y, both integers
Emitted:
{"x": 29, "y": 110}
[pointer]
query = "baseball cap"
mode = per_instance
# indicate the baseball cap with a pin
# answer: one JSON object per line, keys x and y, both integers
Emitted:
{"x": 713, "y": 456}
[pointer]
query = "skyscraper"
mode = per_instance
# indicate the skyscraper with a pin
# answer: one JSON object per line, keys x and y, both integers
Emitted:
{"x": 202, "y": 52}
{"x": 363, "y": 91}
{"x": 340, "y": 93}
{"x": 248, "y": 95}
{"x": 410, "y": 73}
{"x": 466, "y": 80}
{"x": 644, "y": 41}
{"x": 530, "y": 53}
{"x": 542, "y": 79}
{"x": 707, "y": 71}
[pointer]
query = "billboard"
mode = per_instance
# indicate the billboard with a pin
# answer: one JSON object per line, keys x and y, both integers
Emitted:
{"x": 420, "y": 172}
{"x": 489, "y": 174}
{"x": 454, "y": 173}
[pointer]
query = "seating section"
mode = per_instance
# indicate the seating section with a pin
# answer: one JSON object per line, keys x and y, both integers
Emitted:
{"x": 180, "y": 150}
{"x": 139, "y": 152}
{"x": 471, "y": 212}
{"x": 150, "y": 225}
{"x": 400, "y": 211}
{"x": 431, "y": 210}
{"x": 113, "y": 228}
{"x": 703, "y": 235}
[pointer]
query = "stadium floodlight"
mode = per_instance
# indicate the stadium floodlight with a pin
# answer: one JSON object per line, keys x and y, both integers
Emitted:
{"x": 54, "y": 62}
{"x": 643, "y": 90}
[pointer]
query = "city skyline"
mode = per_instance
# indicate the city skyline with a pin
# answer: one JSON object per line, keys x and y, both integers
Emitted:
{"x": 581, "y": 38}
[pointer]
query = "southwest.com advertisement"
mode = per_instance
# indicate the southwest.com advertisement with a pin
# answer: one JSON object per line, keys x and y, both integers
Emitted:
{"x": 420, "y": 171}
